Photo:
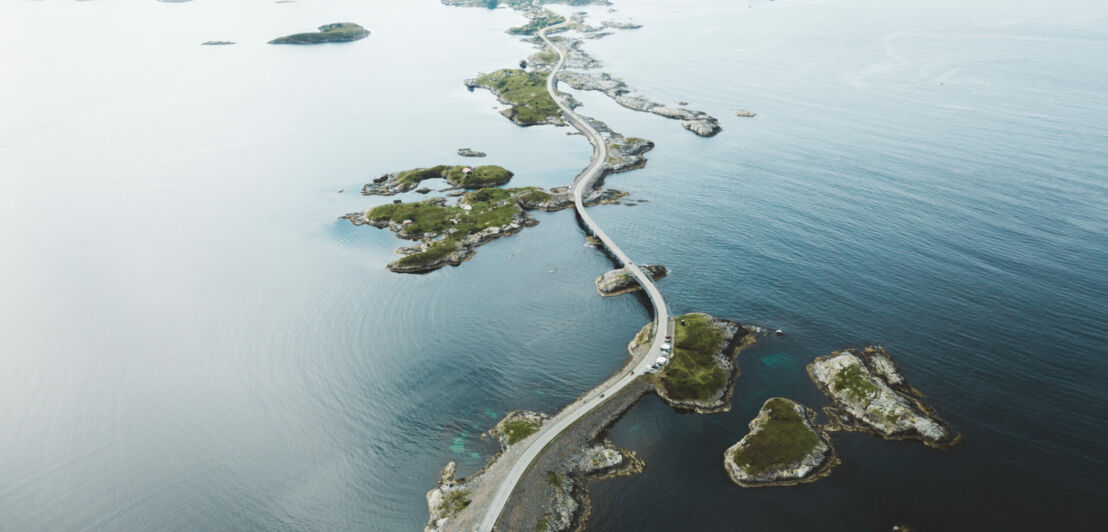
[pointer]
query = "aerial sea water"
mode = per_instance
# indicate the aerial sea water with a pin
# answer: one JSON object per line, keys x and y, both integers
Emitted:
{"x": 190, "y": 339}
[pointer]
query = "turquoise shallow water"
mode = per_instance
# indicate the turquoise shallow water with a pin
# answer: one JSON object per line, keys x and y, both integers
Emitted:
{"x": 190, "y": 339}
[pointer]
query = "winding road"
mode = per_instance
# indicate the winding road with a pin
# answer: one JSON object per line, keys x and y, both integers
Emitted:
{"x": 594, "y": 398}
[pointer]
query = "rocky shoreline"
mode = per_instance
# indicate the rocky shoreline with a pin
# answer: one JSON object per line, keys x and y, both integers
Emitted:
{"x": 458, "y": 176}
{"x": 328, "y": 33}
{"x": 784, "y": 447}
{"x": 620, "y": 281}
{"x": 698, "y": 122}
{"x": 870, "y": 394}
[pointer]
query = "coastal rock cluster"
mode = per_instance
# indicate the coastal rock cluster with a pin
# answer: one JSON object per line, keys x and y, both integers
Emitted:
{"x": 458, "y": 176}
{"x": 870, "y": 394}
{"x": 698, "y": 122}
{"x": 784, "y": 447}
{"x": 620, "y": 281}
{"x": 445, "y": 501}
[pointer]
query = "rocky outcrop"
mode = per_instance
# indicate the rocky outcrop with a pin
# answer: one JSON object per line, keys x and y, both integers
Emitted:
{"x": 457, "y": 175}
{"x": 745, "y": 114}
{"x": 870, "y": 394}
{"x": 698, "y": 122}
{"x": 328, "y": 33}
{"x": 446, "y": 500}
{"x": 466, "y": 152}
{"x": 517, "y": 426}
{"x": 704, "y": 128}
{"x": 784, "y": 447}
{"x": 620, "y": 281}
{"x": 703, "y": 382}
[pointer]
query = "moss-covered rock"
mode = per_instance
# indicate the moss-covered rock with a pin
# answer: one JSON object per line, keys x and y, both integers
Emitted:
{"x": 525, "y": 93}
{"x": 870, "y": 394}
{"x": 783, "y": 447}
{"x": 337, "y": 32}
{"x": 701, "y": 370}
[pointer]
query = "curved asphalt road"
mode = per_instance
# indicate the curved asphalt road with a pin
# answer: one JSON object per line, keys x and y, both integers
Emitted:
{"x": 566, "y": 418}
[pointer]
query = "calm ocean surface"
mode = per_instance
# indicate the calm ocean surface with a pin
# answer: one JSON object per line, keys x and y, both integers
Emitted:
{"x": 190, "y": 340}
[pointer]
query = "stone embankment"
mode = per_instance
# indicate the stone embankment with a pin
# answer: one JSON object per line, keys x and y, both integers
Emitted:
{"x": 784, "y": 447}
{"x": 870, "y": 394}
{"x": 620, "y": 281}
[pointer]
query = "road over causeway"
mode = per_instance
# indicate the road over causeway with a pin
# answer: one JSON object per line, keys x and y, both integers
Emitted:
{"x": 568, "y": 417}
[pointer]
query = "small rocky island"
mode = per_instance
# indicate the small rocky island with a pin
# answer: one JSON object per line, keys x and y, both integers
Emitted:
{"x": 870, "y": 394}
{"x": 466, "y": 152}
{"x": 784, "y": 447}
{"x": 449, "y": 234}
{"x": 701, "y": 371}
{"x": 337, "y": 32}
{"x": 620, "y": 281}
{"x": 698, "y": 122}
{"x": 524, "y": 93}
{"x": 458, "y": 176}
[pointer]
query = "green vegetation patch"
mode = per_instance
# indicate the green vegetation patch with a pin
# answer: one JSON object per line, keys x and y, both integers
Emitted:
{"x": 425, "y": 216}
{"x": 855, "y": 382}
{"x": 454, "y": 501}
{"x": 545, "y": 19}
{"x": 437, "y": 251}
{"x": 693, "y": 373}
{"x": 535, "y": 195}
{"x": 337, "y": 32}
{"x": 478, "y": 176}
{"x": 525, "y": 91}
{"x": 518, "y": 429}
{"x": 783, "y": 439}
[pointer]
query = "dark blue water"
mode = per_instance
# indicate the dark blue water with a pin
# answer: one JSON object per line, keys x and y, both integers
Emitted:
{"x": 190, "y": 340}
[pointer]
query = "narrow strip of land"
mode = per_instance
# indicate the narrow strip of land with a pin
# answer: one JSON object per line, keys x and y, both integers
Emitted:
{"x": 594, "y": 398}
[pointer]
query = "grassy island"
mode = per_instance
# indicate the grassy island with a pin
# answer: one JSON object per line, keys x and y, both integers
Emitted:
{"x": 476, "y": 177}
{"x": 693, "y": 372}
{"x": 539, "y": 21}
{"x": 525, "y": 92}
{"x": 450, "y": 232}
{"x": 337, "y": 32}
{"x": 783, "y": 438}
{"x": 519, "y": 429}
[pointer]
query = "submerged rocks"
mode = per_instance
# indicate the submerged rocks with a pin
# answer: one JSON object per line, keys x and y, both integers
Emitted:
{"x": 870, "y": 394}
{"x": 620, "y": 281}
{"x": 784, "y": 447}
